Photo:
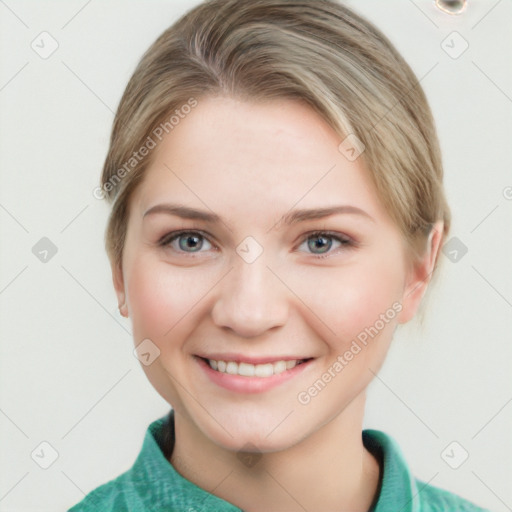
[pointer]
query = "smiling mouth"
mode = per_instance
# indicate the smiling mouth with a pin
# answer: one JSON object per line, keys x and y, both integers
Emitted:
{"x": 253, "y": 370}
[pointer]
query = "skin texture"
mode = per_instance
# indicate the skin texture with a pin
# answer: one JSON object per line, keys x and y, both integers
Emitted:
{"x": 251, "y": 164}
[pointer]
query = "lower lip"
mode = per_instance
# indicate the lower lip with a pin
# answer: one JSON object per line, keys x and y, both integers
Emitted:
{"x": 241, "y": 384}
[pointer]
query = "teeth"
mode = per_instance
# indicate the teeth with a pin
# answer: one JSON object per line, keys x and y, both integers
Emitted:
{"x": 253, "y": 370}
{"x": 245, "y": 369}
{"x": 264, "y": 370}
{"x": 279, "y": 367}
{"x": 232, "y": 368}
{"x": 290, "y": 364}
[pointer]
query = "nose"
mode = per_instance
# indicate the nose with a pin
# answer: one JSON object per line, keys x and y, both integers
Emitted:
{"x": 251, "y": 300}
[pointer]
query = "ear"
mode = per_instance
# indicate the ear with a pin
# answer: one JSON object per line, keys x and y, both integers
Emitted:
{"x": 419, "y": 275}
{"x": 118, "y": 280}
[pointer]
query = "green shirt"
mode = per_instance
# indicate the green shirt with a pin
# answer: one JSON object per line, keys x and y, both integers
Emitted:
{"x": 152, "y": 483}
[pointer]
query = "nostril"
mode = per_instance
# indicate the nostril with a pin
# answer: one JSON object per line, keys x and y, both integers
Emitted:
{"x": 451, "y": 6}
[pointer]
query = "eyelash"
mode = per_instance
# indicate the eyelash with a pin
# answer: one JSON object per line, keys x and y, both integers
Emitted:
{"x": 345, "y": 241}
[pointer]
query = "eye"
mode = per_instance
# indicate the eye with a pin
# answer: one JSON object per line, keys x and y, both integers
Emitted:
{"x": 319, "y": 242}
{"x": 185, "y": 241}
{"x": 323, "y": 242}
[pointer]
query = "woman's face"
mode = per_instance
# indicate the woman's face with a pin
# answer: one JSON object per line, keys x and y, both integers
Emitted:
{"x": 252, "y": 283}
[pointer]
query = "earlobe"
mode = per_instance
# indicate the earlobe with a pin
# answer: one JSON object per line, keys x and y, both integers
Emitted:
{"x": 421, "y": 274}
{"x": 118, "y": 281}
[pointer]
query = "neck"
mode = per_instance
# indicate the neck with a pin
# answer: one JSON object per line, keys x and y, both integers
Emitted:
{"x": 329, "y": 470}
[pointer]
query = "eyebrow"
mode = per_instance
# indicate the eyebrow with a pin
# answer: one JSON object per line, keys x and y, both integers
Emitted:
{"x": 292, "y": 217}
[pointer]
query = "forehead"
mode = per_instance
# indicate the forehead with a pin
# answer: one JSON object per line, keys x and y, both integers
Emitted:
{"x": 243, "y": 158}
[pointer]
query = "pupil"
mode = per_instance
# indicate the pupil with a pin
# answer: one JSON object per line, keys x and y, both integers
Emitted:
{"x": 185, "y": 240}
{"x": 321, "y": 245}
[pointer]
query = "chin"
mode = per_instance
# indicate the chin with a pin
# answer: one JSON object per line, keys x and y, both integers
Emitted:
{"x": 251, "y": 440}
{"x": 252, "y": 431}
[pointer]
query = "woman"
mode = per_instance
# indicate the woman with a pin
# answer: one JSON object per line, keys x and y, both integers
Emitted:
{"x": 277, "y": 212}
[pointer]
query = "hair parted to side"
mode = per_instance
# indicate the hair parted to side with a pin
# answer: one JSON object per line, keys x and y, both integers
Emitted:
{"x": 317, "y": 51}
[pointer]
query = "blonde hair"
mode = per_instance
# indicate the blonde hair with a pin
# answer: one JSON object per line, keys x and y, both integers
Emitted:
{"x": 317, "y": 51}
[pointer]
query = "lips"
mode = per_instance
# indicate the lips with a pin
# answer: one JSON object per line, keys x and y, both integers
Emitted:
{"x": 251, "y": 375}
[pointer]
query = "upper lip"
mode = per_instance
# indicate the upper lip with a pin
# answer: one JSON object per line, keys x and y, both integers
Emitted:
{"x": 239, "y": 358}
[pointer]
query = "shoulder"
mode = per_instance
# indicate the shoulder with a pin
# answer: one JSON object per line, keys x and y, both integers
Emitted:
{"x": 135, "y": 489}
{"x": 435, "y": 499}
{"x": 398, "y": 483}
{"x": 110, "y": 496}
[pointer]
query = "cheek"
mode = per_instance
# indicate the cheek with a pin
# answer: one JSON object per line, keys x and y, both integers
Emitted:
{"x": 159, "y": 298}
{"x": 348, "y": 300}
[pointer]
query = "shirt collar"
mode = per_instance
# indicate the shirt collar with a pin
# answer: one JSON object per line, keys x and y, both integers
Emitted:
{"x": 397, "y": 489}
{"x": 168, "y": 487}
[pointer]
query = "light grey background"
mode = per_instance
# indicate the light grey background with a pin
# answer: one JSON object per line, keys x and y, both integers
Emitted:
{"x": 68, "y": 375}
